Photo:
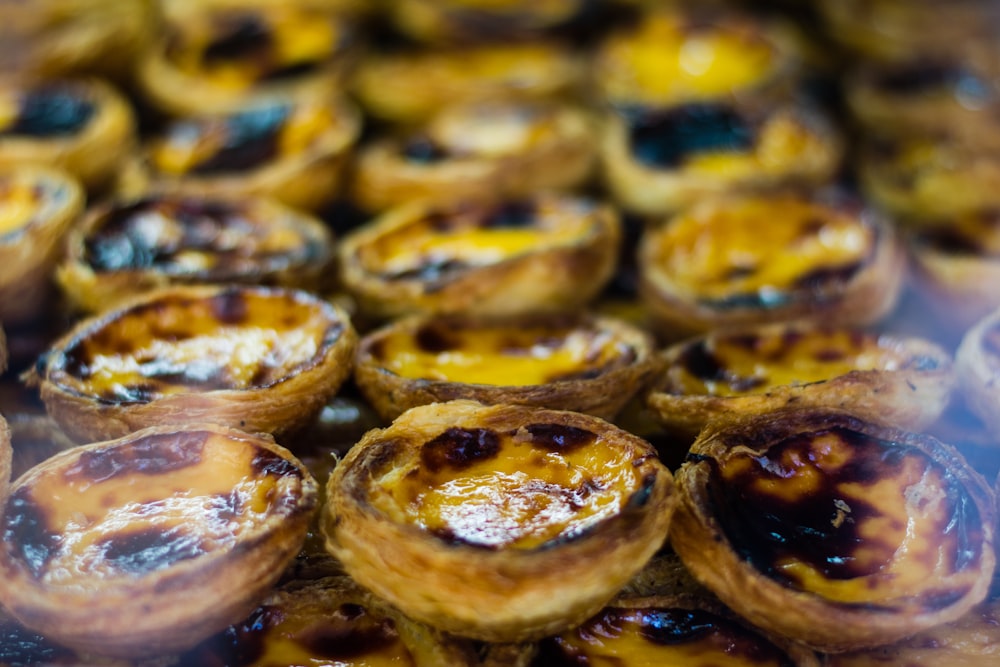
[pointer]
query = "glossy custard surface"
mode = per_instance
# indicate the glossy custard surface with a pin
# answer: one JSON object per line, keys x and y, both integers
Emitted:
{"x": 731, "y": 365}
{"x": 229, "y": 339}
{"x": 444, "y": 241}
{"x": 512, "y": 490}
{"x": 499, "y": 355}
{"x": 123, "y": 512}
{"x": 659, "y": 637}
{"x": 760, "y": 251}
{"x": 850, "y": 518}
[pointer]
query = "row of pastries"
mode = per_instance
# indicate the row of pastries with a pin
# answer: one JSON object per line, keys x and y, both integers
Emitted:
{"x": 455, "y": 332}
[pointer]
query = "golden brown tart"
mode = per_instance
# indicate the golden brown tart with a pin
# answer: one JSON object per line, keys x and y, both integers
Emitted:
{"x": 37, "y": 206}
{"x": 510, "y": 514}
{"x": 292, "y": 150}
{"x": 767, "y": 258}
{"x": 476, "y": 21}
{"x": 660, "y": 160}
{"x": 586, "y": 364}
{"x": 84, "y": 127}
{"x": 411, "y": 86}
{"x": 546, "y": 253}
{"x": 484, "y": 149}
{"x": 977, "y": 363}
{"x": 827, "y": 529}
{"x": 213, "y": 56}
{"x": 262, "y": 359}
{"x": 330, "y": 621}
{"x": 131, "y": 245}
{"x": 728, "y": 373}
{"x": 150, "y": 543}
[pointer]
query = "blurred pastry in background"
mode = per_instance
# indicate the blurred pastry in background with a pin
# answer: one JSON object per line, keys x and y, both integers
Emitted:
{"x": 977, "y": 363}
{"x": 472, "y": 21}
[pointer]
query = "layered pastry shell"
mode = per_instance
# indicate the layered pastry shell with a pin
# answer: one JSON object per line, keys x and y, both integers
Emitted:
{"x": 546, "y": 253}
{"x": 765, "y": 258}
{"x": 480, "y": 149}
{"x": 294, "y": 150}
{"x": 37, "y": 206}
{"x": 587, "y": 364}
{"x": 729, "y": 373}
{"x": 832, "y": 531}
{"x": 212, "y": 57}
{"x": 130, "y": 245}
{"x": 147, "y": 544}
{"x": 477, "y": 21}
{"x": 510, "y": 515}
{"x": 84, "y": 127}
{"x": 977, "y": 362}
{"x": 257, "y": 358}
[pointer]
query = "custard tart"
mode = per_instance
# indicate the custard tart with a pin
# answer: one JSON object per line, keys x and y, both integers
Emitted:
{"x": 411, "y": 86}
{"x": 586, "y": 364}
{"x": 131, "y": 245}
{"x": 292, "y": 150}
{"x": 509, "y": 516}
{"x": 547, "y": 253}
{"x": 977, "y": 363}
{"x": 214, "y": 56}
{"x": 476, "y": 21}
{"x": 330, "y": 621}
{"x": 152, "y": 542}
{"x": 257, "y": 358}
{"x": 84, "y": 127}
{"x": 732, "y": 372}
{"x": 832, "y": 531}
{"x": 660, "y": 160}
{"x": 757, "y": 259}
{"x": 484, "y": 149}
{"x": 37, "y": 206}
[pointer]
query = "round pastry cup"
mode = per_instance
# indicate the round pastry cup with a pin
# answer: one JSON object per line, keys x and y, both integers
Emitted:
{"x": 911, "y": 395}
{"x": 492, "y": 594}
{"x": 794, "y": 146}
{"x": 410, "y": 87}
{"x": 178, "y": 92}
{"x": 385, "y": 177}
{"x": 809, "y": 618}
{"x": 167, "y": 608}
{"x": 94, "y": 153}
{"x": 280, "y": 407}
{"x": 601, "y": 392}
{"x": 29, "y": 253}
{"x": 307, "y": 180}
{"x": 557, "y": 278}
{"x": 864, "y": 298}
{"x": 451, "y": 22}
{"x": 93, "y": 289}
{"x": 977, "y": 363}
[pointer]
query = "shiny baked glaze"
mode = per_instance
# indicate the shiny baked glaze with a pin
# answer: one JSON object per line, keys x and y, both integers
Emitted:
{"x": 498, "y": 354}
{"x": 26, "y": 200}
{"x": 663, "y": 636}
{"x": 48, "y": 111}
{"x": 227, "y": 338}
{"x": 763, "y": 252}
{"x": 851, "y": 518}
{"x": 109, "y": 515}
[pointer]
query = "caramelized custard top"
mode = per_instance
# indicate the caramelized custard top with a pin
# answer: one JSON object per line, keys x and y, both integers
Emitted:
{"x": 49, "y": 111}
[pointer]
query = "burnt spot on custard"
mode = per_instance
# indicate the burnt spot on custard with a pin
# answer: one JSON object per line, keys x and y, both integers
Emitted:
{"x": 821, "y": 527}
{"x": 154, "y": 455}
{"x": 665, "y": 139}
{"x": 424, "y": 151}
{"x": 148, "y": 550}
{"x": 923, "y": 77}
{"x": 700, "y": 362}
{"x": 270, "y": 464}
{"x": 511, "y": 215}
{"x": 251, "y": 139}
{"x": 558, "y": 437}
{"x": 434, "y": 340}
{"x": 50, "y": 111}
{"x": 459, "y": 449}
{"x": 26, "y": 528}
{"x": 238, "y": 37}
{"x": 347, "y": 634}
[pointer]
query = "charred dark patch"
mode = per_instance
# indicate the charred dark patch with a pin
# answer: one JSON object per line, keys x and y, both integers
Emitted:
{"x": 511, "y": 215}
{"x": 558, "y": 437}
{"x": 697, "y": 360}
{"x": 423, "y": 150}
{"x": 153, "y": 455}
{"x": 269, "y": 464}
{"x": 240, "y": 37}
{"x": 829, "y": 355}
{"x": 144, "y": 551}
{"x": 918, "y": 77}
{"x": 665, "y": 139}
{"x": 26, "y": 530}
{"x": 434, "y": 340}
{"x": 230, "y": 307}
{"x": 434, "y": 272}
{"x": 50, "y": 112}
{"x": 822, "y": 277}
{"x": 640, "y": 498}
{"x": 459, "y": 448}
{"x": 349, "y": 634}
{"x": 251, "y": 140}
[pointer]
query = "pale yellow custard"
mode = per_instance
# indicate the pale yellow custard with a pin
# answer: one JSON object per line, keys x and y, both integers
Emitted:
{"x": 21, "y": 203}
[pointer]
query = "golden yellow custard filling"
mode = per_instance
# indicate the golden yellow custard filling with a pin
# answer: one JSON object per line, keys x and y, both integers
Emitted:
{"x": 498, "y": 355}
{"x": 520, "y": 65}
{"x": 660, "y": 637}
{"x": 492, "y": 131}
{"x": 125, "y": 511}
{"x": 668, "y": 61}
{"x": 231, "y": 339}
{"x": 520, "y": 490}
{"x": 782, "y": 142}
{"x": 851, "y": 518}
{"x": 21, "y": 203}
{"x": 762, "y": 246}
{"x": 740, "y": 364}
